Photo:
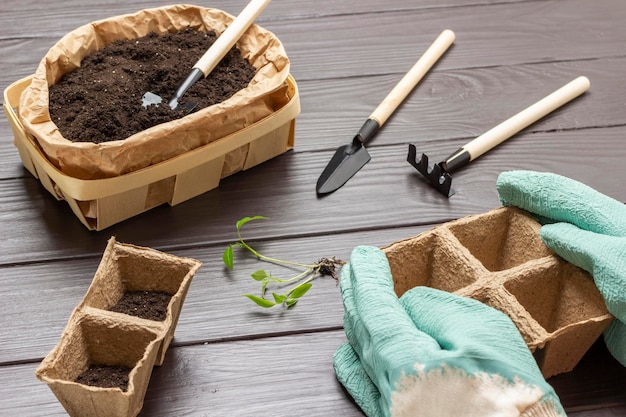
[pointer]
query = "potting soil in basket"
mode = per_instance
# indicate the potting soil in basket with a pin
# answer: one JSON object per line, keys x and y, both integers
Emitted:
{"x": 266, "y": 92}
{"x": 98, "y": 102}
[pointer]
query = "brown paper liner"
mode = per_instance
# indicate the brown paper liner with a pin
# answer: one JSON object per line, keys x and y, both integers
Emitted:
{"x": 266, "y": 92}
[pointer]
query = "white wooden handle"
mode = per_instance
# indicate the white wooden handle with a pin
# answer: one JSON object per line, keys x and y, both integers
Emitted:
{"x": 411, "y": 78}
{"x": 230, "y": 36}
{"x": 526, "y": 117}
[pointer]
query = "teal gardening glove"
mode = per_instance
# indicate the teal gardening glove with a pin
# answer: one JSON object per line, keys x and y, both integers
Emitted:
{"x": 584, "y": 227}
{"x": 432, "y": 353}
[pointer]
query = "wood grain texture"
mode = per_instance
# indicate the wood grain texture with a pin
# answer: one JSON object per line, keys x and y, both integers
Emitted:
{"x": 214, "y": 379}
{"x": 454, "y": 104}
{"x": 505, "y": 34}
{"x": 55, "y": 16}
{"x": 284, "y": 189}
{"x": 228, "y": 356}
{"x": 388, "y": 57}
{"x": 214, "y": 310}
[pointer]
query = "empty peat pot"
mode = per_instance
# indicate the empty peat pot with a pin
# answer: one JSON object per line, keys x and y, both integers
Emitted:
{"x": 499, "y": 259}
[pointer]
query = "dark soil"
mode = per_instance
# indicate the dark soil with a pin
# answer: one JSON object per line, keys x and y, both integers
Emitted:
{"x": 151, "y": 305}
{"x": 101, "y": 100}
{"x": 105, "y": 377}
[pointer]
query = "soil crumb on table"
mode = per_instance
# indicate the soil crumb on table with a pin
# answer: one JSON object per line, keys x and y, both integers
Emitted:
{"x": 102, "y": 99}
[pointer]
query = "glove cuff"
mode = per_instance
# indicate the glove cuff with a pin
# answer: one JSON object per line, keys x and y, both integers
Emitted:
{"x": 543, "y": 409}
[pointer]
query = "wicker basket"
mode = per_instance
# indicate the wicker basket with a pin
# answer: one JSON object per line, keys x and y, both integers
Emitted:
{"x": 101, "y": 203}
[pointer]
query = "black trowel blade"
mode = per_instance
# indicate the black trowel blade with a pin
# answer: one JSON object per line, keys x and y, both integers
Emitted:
{"x": 346, "y": 162}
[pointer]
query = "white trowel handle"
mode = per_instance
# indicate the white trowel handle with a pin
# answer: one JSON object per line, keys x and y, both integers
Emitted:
{"x": 230, "y": 36}
{"x": 411, "y": 78}
{"x": 526, "y": 117}
{"x": 511, "y": 126}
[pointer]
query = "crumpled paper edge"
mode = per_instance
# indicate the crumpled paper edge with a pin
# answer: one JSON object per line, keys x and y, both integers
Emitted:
{"x": 85, "y": 160}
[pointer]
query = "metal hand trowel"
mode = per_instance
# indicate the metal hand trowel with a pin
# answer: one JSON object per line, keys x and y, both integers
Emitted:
{"x": 349, "y": 159}
{"x": 212, "y": 56}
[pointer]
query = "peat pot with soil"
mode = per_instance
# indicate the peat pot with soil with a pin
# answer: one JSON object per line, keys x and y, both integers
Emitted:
{"x": 120, "y": 330}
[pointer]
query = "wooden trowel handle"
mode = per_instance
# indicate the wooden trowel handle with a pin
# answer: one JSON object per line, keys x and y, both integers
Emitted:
{"x": 411, "y": 78}
{"x": 526, "y": 117}
{"x": 230, "y": 36}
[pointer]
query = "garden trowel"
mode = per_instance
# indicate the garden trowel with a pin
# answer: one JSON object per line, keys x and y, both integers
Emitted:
{"x": 349, "y": 159}
{"x": 212, "y": 56}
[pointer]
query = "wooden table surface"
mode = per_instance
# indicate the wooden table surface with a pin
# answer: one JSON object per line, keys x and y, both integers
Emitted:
{"x": 231, "y": 358}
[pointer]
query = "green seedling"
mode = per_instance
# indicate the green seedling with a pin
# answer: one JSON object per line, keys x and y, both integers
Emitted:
{"x": 297, "y": 286}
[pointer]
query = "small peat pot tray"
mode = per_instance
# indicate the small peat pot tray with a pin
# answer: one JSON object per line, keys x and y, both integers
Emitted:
{"x": 114, "y": 328}
{"x": 499, "y": 259}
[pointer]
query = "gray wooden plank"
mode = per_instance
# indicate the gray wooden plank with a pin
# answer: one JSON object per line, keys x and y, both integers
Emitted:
{"x": 288, "y": 375}
{"x": 453, "y": 104}
{"x": 273, "y": 376}
{"x": 335, "y": 107}
{"x": 249, "y": 367}
{"x": 387, "y": 192}
{"x": 215, "y": 309}
{"x": 63, "y": 17}
{"x": 345, "y": 56}
{"x": 37, "y": 300}
{"x": 378, "y": 43}
{"x": 23, "y": 394}
{"x": 37, "y": 303}
{"x": 450, "y": 104}
{"x": 603, "y": 412}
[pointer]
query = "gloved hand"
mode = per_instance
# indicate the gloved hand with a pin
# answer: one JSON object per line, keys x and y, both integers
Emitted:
{"x": 432, "y": 353}
{"x": 590, "y": 233}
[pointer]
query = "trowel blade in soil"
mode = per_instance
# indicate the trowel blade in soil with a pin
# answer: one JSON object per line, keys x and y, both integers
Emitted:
{"x": 346, "y": 162}
{"x": 187, "y": 107}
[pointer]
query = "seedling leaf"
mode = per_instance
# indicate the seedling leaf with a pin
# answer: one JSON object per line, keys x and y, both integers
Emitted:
{"x": 245, "y": 220}
{"x": 259, "y": 275}
{"x": 228, "y": 257}
{"x": 260, "y": 301}
{"x": 300, "y": 290}
{"x": 279, "y": 298}
{"x": 324, "y": 266}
